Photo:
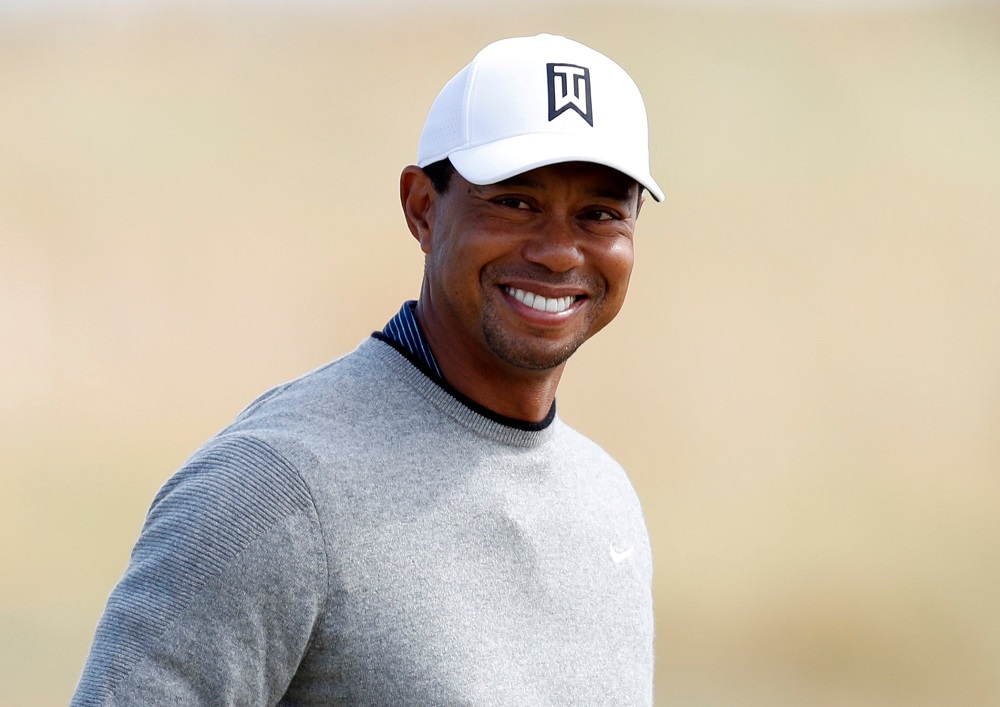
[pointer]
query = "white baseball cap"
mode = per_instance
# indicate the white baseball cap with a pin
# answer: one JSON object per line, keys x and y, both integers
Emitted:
{"x": 529, "y": 102}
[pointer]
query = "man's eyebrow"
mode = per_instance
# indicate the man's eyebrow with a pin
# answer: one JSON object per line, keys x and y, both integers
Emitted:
{"x": 518, "y": 180}
{"x": 614, "y": 192}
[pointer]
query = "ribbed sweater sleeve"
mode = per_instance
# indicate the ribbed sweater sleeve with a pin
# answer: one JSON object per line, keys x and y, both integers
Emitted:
{"x": 224, "y": 586}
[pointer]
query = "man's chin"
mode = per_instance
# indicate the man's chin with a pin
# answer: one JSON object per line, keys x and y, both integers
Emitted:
{"x": 531, "y": 355}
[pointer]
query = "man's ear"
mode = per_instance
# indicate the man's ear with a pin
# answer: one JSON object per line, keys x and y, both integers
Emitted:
{"x": 418, "y": 198}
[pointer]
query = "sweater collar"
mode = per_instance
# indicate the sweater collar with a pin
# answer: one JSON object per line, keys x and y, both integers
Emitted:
{"x": 457, "y": 405}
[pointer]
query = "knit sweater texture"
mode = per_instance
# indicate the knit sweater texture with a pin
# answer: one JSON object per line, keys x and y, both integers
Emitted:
{"x": 362, "y": 536}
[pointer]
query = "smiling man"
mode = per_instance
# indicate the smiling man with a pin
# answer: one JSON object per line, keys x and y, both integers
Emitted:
{"x": 412, "y": 524}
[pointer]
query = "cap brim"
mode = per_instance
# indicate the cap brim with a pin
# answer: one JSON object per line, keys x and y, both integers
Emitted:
{"x": 502, "y": 159}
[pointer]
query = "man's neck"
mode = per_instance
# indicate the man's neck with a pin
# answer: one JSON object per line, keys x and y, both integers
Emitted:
{"x": 505, "y": 389}
{"x": 518, "y": 396}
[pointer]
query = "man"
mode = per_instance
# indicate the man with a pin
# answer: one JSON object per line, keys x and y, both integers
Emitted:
{"x": 412, "y": 524}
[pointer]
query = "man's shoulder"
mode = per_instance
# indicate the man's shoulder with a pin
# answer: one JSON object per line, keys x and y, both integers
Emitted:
{"x": 575, "y": 442}
{"x": 342, "y": 384}
{"x": 355, "y": 365}
{"x": 347, "y": 402}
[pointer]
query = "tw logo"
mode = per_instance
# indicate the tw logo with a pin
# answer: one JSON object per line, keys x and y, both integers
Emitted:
{"x": 569, "y": 87}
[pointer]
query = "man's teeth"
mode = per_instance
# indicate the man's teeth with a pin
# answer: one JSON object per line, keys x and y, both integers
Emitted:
{"x": 542, "y": 304}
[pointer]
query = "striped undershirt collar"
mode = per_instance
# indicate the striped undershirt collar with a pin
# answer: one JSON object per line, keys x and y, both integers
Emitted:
{"x": 404, "y": 330}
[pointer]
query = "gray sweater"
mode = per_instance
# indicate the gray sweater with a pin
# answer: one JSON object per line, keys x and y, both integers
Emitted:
{"x": 360, "y": 536}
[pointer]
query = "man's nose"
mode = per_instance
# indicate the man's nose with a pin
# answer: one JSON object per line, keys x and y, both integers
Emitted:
{"x": 556, "y": 245}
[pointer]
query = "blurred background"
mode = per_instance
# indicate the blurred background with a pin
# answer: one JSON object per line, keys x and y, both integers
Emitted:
{"x": 198, "y": 201}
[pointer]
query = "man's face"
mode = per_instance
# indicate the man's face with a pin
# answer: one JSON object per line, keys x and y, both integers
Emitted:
{"x": 520, "y": 273}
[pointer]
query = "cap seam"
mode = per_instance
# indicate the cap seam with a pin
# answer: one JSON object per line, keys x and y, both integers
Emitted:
{"x": 471, "y": 87}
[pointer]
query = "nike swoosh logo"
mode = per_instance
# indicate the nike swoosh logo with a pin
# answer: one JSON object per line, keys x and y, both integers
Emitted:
{"x": 620, "y": 557}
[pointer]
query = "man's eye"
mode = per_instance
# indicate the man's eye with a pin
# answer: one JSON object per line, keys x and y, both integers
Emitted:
{"x": 512, "y": 203}
{"x": 600, "y": 215}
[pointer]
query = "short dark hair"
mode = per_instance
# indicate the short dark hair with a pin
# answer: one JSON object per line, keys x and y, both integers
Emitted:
{"x": 440, "y": 173}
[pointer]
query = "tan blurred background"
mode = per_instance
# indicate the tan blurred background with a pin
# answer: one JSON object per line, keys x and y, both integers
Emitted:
{"x": 198, "y": 204}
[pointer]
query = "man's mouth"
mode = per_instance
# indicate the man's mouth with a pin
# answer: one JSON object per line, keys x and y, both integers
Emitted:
{"x": 542, "y": 304}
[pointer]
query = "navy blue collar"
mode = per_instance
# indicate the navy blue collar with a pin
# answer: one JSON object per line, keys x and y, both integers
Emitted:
{"x": 405, "y": 331}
